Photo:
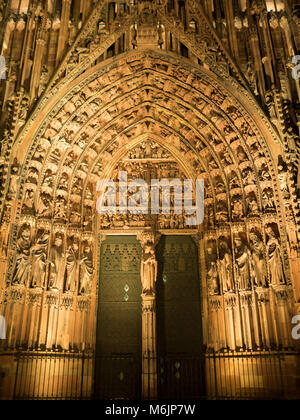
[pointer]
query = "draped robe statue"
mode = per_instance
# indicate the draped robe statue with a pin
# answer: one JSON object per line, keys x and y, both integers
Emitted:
{"x": 23, "y": 263}
{"x": 243, "y": 265}
{"x": 212, "y": 274}
{"x": 225, "y": 267}
{"x": 39, "y": 261}
{"x": 56, "y": 264}
{"x": 72, "y": 267}
{"x": 274, "y": 257}
{"x": 86, "y": 272}
{"x": 258, "y": 260}
{"x": 148, "y": 269}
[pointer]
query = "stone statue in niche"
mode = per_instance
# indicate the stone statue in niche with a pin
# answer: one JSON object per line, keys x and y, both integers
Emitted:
{"x": 248, "y": 176}
{"x": 283, "y": 180}
{"x": 148, "y": 269}
{"x": 210, "y": 216}
{"x": 28, "y": 204}
{"x": 44, "y": 207}
{"x": 4, "y": 230}
{"x": 86, "y": 271}
{"x": 48, "y": 179}
{"x": 33, "y": 175}
{"x": 56, "y": 268}
{"x": 72, "y": 266}
{"x": 237, "y": 207}
{"x": 221, "y": 212}
{"x": 268, "y": 199}
{"x": 60, "y": 208}
{"x": 212, "y": 273}
{"x": 160, "y": 31}
{"x": 242, "y": 156}
{"x": 23, "y": 263}
{"x": 234, "y": 181}
{"x": 88, "y": 217}
{"x": 63, "y": 182}
{"x": 39, "y": 260}
{"x": 264, "y": 174}
{"x": 75, "y": 215}
{"x": 134, "y": 37}
{"x": 243, "y": 264}
{"x": 274, "y": 258}
{"x": 14, "y": 179}
{"x": 252, "y": 205}
{"x": 258, "y": 260}
{"x": 225, "y": 267}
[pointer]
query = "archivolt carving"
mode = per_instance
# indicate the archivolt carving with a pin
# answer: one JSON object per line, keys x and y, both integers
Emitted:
{"x": 146, "y": 114}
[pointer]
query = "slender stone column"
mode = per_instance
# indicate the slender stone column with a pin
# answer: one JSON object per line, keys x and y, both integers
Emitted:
{"x": 63, "y": 30}
{"x": 149, "y": 355}
{"x": 148, "y": 278}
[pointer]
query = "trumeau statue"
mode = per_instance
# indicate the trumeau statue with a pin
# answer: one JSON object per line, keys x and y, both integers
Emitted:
{"x": 225, "y": 267}
{"x": 72, "y": 267}
{"x": 243, "y": 264}
{"x": 86, "y": 271}
{"x": 274, "y": 258}
{"x": 148, "y": 269}
{"x": 23, "y": 264}
{"x": 56, "y": 269}
{"x": 258, "y": 260}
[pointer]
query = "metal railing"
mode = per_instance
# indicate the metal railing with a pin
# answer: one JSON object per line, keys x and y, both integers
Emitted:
{"x": 215, "y": 375}
{"x": 252, "y": 375}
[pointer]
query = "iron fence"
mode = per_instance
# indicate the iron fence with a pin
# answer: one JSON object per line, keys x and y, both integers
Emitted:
{"x": 82, "y": 376}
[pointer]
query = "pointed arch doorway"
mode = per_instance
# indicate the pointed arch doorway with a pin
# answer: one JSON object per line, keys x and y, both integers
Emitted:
{"x": 179, "y": 329}
{"x": 119, "y": 326}
{"x": 124, "y": 368}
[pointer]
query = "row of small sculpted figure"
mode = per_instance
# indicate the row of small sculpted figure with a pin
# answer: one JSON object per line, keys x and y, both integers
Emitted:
{"x": 250, "y": 267}
{"x": 56, "y": 269}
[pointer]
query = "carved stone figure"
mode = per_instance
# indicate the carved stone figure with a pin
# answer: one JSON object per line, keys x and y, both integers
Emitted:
{"x": 268, "y": 199}
{"x": 225, "y": 267}
{"x": 134, "y": 37}
{"x": 72, "y": 267}
{"x": 23, "y": 263}
{"x": 274, "y": 258}
{"x": 252, "y": 204}
{"x": 283, "y": 179}
{"x": 14, "y": 179}
{"x": 39, "y": 261}
{"x": 243, "y": 264}
{"x": 60, "y": 208}
{"x": 56, "y": 268}
{"x": 237, "y": 208}
{"x": 86, "y": 272}
{"x": 258, "y": 260}
{"x": 148, "y": 269}
{"x": 212, "y": 274}
{"x": 44, "y": 207}
{"x": 29, "y": 201}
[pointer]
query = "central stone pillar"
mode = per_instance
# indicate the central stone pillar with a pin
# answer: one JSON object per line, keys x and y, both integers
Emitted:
{"x": 148, "y": 278}
{"x": 149, "y": 355}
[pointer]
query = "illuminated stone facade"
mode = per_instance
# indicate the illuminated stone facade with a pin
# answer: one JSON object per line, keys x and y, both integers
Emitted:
{"x": 162, "y": 89}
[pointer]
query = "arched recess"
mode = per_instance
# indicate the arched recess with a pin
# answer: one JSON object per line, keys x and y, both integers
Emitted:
{"x": 82, "y": 134}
